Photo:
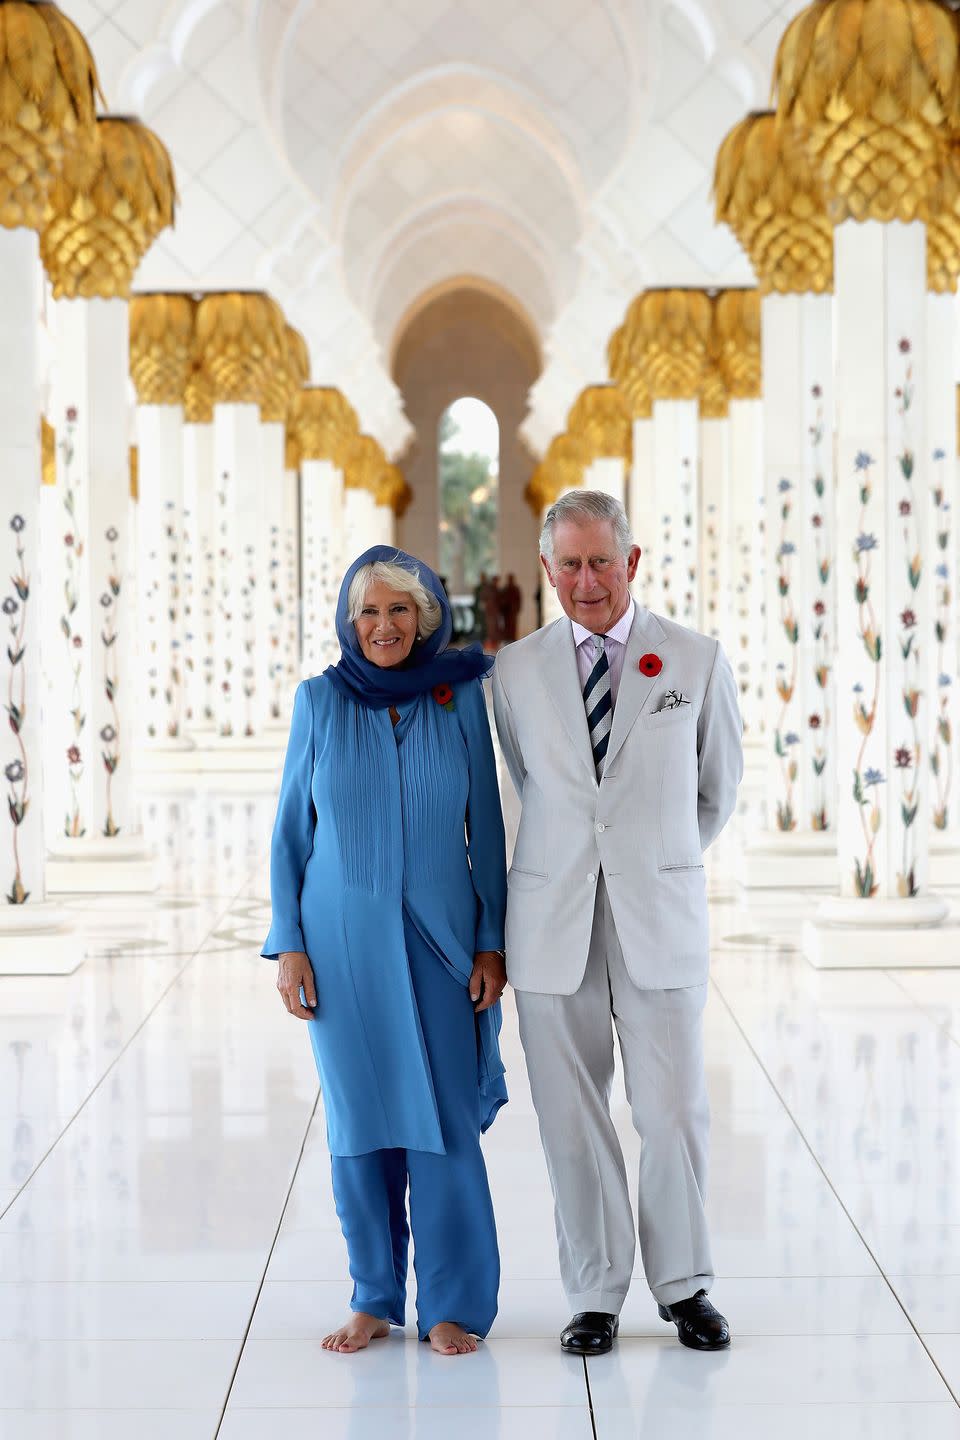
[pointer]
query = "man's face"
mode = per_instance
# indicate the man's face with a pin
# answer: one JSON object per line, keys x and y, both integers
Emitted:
{"x": 589, "y": 574}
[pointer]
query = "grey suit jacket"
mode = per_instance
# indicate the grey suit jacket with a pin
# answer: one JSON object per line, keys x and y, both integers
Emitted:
{"x": 669, "y": 787}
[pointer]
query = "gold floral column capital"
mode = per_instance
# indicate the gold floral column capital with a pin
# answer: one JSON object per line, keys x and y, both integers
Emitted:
{"x": 943, "y": 227}
{"x": 627, "y": 374}
{"x": 296, "y": 374}
{"x": 364, "y": 464}
{"x": 737, "y": 342}
{"x": 48, "y": 90}
{"x": 161, "y": 346}
{"x": 566, "y": 459}
{"x": 241, "y": 345}
{"x": 669, "y": 335}
{"x": 393, "y": 489}
{"x": 873, "y": 86}
{"x": 601, "y": 417}
{"x": 325, "y": 424}
{"x": 768, "y": 193}
{"x": 108, "y": 204}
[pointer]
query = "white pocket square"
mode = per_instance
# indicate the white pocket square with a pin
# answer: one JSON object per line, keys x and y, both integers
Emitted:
{"x": 672, "y": 699}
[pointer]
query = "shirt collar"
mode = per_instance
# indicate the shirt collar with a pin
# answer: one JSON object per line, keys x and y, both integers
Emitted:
{"x": 620, "y": 632}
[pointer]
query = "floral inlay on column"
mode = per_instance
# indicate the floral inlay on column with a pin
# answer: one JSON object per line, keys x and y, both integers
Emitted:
{"x": 189, "y": 596}
{"x": 276, "y": 624}
{"x": 73, "y": 546}
{"x": 686, "y": 494}
{"x": 110, "y": 733}
{"x": 713, "y": 572}
{"x": 17, "y": 771}
{"x": 225, "y": 613}
{"x": 172, "y": 689}
{"x": 866, "y": 779}
{"x": 785, "y": 739}
{"x": 907, "y": 756}
{"x": 820, "y": 723}
{"x": 941, "y": 755}
{"x": 666, "y": 570}
{"x": 248, "y": 596}
{"x": 742, "y": 591}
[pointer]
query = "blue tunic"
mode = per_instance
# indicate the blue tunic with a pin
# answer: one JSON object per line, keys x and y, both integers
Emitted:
{"x": 375, "y": 826}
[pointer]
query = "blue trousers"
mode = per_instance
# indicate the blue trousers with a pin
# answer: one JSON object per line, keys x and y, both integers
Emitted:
{"x": 455, "y": 1256}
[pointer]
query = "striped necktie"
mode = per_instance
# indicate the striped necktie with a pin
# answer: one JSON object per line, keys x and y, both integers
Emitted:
{"x": 598, "y": 702}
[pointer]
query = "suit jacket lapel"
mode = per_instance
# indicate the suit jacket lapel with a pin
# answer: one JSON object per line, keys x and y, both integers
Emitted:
{"x": 562, "y": 680}
{"x": 646, "y": 637}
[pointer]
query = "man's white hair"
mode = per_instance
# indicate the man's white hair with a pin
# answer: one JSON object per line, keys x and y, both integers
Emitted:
{"x": 397, "y": 577}
{"x": 582, "y": 507}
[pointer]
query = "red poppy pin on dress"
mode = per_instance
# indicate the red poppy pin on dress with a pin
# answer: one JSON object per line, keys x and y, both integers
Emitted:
{"x": 443, "y": 694}
{"x": 650, "y": 665}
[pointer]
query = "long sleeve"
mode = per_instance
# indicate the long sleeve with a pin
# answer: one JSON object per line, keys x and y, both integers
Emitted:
{"x": 293, "y": 831}
{"x": 506, "y": 733}
{"x": 719, "y": 751}
{"x": 485, "y": 838}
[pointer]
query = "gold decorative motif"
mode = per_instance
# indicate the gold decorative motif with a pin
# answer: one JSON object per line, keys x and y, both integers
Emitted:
{"x": 768, "y": 193}
{"x": 286, "y": 382}
{"x": 737, "y": 341}
{"x": 134, "y": 466}
{"x": 714, "y": 395}
{"x": 198, "y": 396}
{"x": 393, "y": 489}
{"x": 601, "y": 417}
{"x": 48, "y": 452}
{"x": 291, "y": 450}
{"x": 624, "y": 369}
{"x": 566, "y": 459}
{"x": 161, "y": 346}
{"x": 668, "y": 332}
{"x": 538, "y": 492}
{"x": 48, "y": 85}
{"x": 943, "y": 227}
{"x": 325, "y": 424}
{"x": 108, "y": 203}
{"x": 874, "y": 87}
{"x": 364, "y": 464}
{"x": 241, "y": 345}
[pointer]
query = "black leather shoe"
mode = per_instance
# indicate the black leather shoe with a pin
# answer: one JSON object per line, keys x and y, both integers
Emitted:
{"x": 590, "y": 1333}
{"x": 699, "y": 1325}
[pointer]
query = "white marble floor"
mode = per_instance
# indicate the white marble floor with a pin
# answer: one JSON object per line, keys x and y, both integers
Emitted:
{"x": 169, "y": 1254}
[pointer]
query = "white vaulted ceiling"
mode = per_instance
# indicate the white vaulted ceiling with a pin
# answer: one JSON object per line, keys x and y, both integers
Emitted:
{"x": 353, "y": 155}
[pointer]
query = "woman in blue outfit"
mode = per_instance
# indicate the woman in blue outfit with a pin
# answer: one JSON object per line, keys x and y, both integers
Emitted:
{"x": 388, "y": 887}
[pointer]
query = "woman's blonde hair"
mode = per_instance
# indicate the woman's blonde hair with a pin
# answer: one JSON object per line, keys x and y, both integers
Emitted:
{"x": 397, "y": 577}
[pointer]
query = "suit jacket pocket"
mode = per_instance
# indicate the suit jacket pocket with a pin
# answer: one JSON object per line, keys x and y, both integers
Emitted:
{"x": 519, "y": 879}
{"x": 677, "y": 715}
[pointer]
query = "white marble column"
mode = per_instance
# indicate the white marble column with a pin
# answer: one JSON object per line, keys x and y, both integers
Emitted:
{"x": 941, "y": 585}
{"x": 748, "y": 528}
{"x": 35, "y": 938}
{"x": 291, "y": 554}
{"x": 885, "y": 655}
{"x": 272, "y": 590}
{"x": 199, "y": 525}
{"x": 359, "y": 519}
{"x": 797, "y": 845}
{"x": 324, "y": 561}
{"x": 240, "y": 517}
{"x": 642, "y": 511}
{"x": 607, "y": 473}
{"x": 160, "y": 576}
{"x": 95, "y": 835}
{"x": 676, "y": 457}
{"x": 717, "y": 618}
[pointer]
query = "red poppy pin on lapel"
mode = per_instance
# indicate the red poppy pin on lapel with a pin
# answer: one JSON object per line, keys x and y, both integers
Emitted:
{"x": 650, "y": 665}
{"x": 443, "y": 694}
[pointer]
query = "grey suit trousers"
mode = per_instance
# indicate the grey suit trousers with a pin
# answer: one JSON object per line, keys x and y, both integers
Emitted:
{"x": 568, "y": 1044}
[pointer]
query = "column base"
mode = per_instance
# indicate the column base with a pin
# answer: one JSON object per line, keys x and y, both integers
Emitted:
{"x": 89, "y": 865}
{"x": 790, "y": 860}
{"x": 851, "y": 934}
{"x": 944, "y": 862}
{"x": 38, "y": 940}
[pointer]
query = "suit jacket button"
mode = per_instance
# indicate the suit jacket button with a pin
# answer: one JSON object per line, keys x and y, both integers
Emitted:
{"x": 591, "y": 878}
{"x": 601, "y": 827}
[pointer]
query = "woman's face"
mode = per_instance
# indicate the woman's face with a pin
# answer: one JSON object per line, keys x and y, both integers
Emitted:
{"x": 387, "y": 625}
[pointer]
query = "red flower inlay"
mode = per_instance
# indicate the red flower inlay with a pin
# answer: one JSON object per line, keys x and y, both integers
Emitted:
{"x": 443, "y": 694}
{"x": 650, "y": 665}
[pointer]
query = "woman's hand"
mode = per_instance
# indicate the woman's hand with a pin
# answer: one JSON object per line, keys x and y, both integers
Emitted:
{"x": 488, "y": 979}
{"x": 294, "y": 970}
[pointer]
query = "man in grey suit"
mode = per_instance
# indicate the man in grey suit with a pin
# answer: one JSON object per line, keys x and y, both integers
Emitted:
{"x": 622, "y": 734}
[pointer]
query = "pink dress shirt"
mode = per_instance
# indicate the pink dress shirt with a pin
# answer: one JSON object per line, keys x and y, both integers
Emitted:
{"x": 616, "y": 647}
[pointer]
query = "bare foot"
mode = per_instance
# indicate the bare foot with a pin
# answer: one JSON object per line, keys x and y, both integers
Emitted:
{"x": 359, "y": 1330}
{"x": 449, "y": 1339}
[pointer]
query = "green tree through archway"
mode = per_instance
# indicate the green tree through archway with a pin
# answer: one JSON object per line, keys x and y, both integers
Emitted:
{"x": 469, "y": 444}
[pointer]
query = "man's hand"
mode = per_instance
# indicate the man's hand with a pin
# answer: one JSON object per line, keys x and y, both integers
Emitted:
{"x": 293, "y": 971}
{"x": 488, "y": 979}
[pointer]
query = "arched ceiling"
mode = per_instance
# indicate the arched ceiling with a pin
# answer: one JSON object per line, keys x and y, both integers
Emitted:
{"x": 350, "y": 155}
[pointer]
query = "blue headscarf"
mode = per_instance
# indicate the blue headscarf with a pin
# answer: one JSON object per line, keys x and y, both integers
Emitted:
{"x": 430, "y": 662}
